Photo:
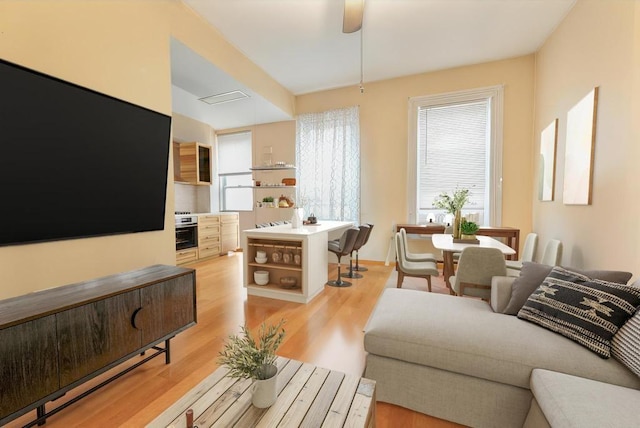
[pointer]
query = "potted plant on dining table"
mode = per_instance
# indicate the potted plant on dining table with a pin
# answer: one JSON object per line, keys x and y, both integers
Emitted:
{"x": 453, "y": 204}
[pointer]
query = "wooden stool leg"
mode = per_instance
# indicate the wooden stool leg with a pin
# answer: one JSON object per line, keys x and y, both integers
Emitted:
{"x": 429, "y": 282}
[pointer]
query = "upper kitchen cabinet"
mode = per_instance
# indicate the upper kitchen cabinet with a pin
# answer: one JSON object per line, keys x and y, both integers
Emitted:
{"x": 192, "y": 163}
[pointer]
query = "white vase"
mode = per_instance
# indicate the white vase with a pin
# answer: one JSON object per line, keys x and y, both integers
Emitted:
{"x": 265, "y": 392}
{"x": 297, "y": 218}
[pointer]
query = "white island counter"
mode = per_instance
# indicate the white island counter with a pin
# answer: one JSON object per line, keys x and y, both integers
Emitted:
{"x": 302, "y": 255}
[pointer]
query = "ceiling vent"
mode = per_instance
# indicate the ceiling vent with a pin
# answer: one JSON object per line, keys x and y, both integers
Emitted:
{"x": 224, "y": 98}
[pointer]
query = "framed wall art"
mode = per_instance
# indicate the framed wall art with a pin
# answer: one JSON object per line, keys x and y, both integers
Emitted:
{"x": 579, "y": 150}
{"x": 547, "y": 176}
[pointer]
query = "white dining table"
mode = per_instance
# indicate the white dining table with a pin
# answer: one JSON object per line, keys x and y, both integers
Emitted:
{"x": 444, "y": 242}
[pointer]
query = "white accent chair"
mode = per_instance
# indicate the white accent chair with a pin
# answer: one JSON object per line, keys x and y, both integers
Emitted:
{"x": 552, "y": 253}
{"x": 528, "y": 252}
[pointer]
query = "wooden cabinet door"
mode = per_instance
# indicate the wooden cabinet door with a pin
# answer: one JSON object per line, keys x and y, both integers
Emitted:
{"x": 28, "y": 364}
{"x": 95, "y": 335}
{"x": 167, "y": 307}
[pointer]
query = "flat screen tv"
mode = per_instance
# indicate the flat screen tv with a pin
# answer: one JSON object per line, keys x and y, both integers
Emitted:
{"x": 76, "y": 163}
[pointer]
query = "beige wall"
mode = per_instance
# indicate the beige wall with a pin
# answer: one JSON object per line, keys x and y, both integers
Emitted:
{"x": 598, "y": 44}
{"x": 120, "y": 48}
{"x": 384, "y": 129}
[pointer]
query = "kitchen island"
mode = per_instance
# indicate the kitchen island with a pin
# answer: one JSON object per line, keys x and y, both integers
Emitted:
{"x": 299, "y": 255}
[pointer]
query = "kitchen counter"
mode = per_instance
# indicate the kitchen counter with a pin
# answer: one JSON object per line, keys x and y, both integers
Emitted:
{"x": 308, "y": 243}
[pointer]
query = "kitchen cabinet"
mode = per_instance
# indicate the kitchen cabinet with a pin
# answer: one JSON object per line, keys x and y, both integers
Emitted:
{"x": 208, "y": 235}
{"x": 192, "y": 163}
{"x": 229, "y": 232}
{"x": 53, "y": 340}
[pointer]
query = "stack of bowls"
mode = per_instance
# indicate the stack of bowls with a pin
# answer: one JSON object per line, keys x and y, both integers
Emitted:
{"x": 261, "y": 257}
{"x": 261, "y": 277}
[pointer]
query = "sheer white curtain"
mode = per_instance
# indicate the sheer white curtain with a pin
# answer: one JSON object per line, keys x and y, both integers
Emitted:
{"x": 328, "y": 161}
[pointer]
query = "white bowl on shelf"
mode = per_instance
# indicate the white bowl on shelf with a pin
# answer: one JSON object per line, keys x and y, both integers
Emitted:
{"x": 261, "y": 254}
{"x": 261, "y": 259}
{"x": 261, "y": 277}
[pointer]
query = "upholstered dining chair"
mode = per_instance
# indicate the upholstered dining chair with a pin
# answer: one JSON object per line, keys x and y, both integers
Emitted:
{"x": 528, "y": 252}
{"x": 414, "y": 257}
{"x": 552, "y": 253}
{"x": 405, "y": 267}
{"x": 476, "y": 267}
{"x": 362, "y": 237}
{"x": 343, "y": 247}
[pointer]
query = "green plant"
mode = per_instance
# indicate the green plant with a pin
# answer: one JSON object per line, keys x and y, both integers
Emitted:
{"x": 468, "y": 227}
{"x": 267, "y": 199}
{"x": 452, "y": 203}
{"x": 247, "y": 358}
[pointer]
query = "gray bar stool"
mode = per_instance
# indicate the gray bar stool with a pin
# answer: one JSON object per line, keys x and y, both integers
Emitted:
{"x": 357, "y": 267}
{"x": 360, "y": 240}
{"x": 341, "y": 248}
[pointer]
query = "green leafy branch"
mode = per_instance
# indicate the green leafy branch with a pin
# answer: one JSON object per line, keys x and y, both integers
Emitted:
{"x": 247, "y": 358}
{"x": 454, "y": 202}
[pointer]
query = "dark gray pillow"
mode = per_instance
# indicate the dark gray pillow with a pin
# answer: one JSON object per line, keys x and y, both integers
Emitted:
{"x": 533, "y": 274}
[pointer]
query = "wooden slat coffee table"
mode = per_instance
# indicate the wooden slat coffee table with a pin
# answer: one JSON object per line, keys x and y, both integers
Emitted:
{"x": 308, "y": 396}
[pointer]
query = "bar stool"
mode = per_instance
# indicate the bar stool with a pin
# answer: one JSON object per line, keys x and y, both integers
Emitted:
{"x": 357, "y": 267}
{"x": 341, "y": 248}
{"x": 362, "y": 236}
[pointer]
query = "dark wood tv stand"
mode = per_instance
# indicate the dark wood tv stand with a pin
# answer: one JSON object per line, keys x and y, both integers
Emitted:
{"x": 53, "y": 340}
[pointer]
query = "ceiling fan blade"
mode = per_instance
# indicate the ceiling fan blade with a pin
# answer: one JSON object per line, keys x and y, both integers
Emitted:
{"x": 352, "y": 21}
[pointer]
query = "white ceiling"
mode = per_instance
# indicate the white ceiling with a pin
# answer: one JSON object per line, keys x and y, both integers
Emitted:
{"x": 301, "y": 45}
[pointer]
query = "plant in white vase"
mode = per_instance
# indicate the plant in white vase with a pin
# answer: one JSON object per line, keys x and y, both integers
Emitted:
{"x": 247, "y": 357}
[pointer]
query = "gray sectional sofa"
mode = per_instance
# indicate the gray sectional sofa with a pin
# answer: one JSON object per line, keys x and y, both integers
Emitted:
{"x": 463, "y": 360}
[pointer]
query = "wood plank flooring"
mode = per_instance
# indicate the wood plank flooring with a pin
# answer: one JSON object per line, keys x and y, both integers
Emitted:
{"x": 326, "y": 332}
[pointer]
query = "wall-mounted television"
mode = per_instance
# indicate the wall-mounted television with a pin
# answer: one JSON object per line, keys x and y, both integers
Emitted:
{"x": 76, "y": 163}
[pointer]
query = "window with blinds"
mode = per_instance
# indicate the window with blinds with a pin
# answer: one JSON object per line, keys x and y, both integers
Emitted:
{"x": 455, "y": 141}
{"x": 452, "y": 147}
{"x": 234, "y": 161}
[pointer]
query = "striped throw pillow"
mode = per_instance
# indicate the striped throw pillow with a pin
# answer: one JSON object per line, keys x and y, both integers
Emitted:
{"x": 625, "y": 346}
{"x": 588, "y": 311}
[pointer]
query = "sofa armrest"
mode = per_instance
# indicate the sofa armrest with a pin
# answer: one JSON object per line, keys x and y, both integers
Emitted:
{"x": 500, "y": 292}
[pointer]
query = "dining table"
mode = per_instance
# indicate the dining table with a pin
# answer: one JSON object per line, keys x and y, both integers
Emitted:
{"x": 445, "y": 243}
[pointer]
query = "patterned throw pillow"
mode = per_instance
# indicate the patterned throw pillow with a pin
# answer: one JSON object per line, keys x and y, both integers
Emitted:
{"x": 588, "y": 311}
{"x": 625, "y": 346}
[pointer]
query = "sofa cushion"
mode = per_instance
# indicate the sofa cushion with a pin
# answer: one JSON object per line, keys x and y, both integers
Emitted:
{"x": 625, "y": 345}
{"x": 532, "y": 275}
{"x": 570, "y": 401}
{"x": 585, "y": 310}
{"x": 465, "y": 336}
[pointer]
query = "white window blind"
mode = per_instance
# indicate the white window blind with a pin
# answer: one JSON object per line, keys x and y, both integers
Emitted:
{"x": 455, "y": 141}
{"x": 452, "y": 145}
{"x": 234, "y": 161}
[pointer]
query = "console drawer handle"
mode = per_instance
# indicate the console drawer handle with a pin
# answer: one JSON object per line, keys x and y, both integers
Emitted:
{"x": 133, "y": 318}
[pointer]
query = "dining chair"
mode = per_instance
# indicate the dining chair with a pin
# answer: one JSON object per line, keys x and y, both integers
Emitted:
{"x": 476, "y": 267}
{"x": 552, "y": 253}
{"x": 528, "y": 253}
{"x": 340, "y": 248}
{"x": 414, "y": 257}
{"x": 405, "y": 267}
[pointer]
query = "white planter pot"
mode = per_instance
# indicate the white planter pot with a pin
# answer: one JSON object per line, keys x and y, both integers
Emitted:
{"x": 265, "y": 392}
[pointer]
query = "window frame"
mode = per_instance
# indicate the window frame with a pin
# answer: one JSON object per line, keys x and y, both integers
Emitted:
{"x": 222, "y": 195}
{"x": 495, "y": 95}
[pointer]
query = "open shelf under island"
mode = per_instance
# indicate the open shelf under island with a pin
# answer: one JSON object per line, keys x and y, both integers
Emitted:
{"x": 309, "y": 243}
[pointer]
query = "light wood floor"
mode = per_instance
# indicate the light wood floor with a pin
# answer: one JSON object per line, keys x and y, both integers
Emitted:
{"x": 326, "y": 332}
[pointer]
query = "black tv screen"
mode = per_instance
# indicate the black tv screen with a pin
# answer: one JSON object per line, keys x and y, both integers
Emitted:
{"x": 76, "y": 163}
